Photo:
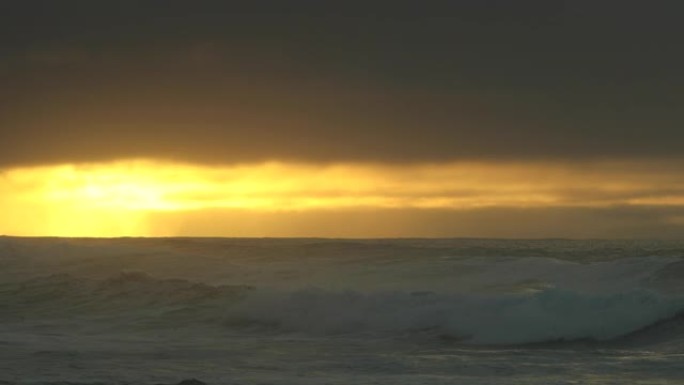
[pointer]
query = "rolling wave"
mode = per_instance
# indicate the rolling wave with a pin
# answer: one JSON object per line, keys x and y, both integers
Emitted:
{"x": 548, "y": 314}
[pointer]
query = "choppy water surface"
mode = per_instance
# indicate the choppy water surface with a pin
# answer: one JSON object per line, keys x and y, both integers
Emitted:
{"x": 316, "y": 311}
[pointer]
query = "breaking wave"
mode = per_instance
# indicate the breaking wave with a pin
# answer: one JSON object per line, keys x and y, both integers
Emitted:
{"x": 549, "y": 315}
{"x": 139, "y": 300}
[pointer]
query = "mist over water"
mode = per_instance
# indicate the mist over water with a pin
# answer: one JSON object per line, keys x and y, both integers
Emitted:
{"x": 313, "y": 311}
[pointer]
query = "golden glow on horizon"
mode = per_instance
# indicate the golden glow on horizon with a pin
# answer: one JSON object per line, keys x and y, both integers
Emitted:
{"x": 113, "y": 199}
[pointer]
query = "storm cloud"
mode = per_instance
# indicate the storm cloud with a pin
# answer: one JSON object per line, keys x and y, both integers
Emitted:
{"x": 211, "y": 82}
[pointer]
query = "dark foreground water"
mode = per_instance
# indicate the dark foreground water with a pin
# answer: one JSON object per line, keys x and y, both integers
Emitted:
{"x": 315, "y": 311}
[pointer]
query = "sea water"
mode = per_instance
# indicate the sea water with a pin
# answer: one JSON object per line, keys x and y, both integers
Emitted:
{"x": 324, "y": 311}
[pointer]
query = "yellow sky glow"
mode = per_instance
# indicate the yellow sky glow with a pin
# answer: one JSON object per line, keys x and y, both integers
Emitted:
{"x": 112, "y": 199}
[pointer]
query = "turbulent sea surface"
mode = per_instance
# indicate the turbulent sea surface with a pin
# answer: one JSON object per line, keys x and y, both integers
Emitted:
{"x": 319, "y": 311}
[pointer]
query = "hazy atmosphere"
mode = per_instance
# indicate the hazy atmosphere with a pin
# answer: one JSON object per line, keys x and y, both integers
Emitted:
{"x": 472, "y": 118}
{"x": 447, "y": 192}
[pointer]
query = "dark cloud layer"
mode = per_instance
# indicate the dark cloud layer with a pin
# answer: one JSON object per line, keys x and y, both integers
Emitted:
{"x": 326, "y": 81}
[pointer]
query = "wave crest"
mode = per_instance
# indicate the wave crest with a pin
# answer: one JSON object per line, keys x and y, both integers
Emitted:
{"x": 550, "y": 314}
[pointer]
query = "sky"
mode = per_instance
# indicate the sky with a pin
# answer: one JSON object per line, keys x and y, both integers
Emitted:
{"x": 485, "y": 118}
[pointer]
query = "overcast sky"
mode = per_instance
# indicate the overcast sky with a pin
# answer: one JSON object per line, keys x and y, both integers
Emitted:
{"x": 451, "y": 118}
{"x": 327, "y": 81}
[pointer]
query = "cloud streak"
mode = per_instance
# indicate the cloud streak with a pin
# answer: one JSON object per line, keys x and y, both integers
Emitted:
{"x": 126, "y": 198}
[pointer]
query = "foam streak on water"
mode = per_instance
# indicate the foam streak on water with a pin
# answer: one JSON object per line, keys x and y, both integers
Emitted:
{"x": 313, "y": 311}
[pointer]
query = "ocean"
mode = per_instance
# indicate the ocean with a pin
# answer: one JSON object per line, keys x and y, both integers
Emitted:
{"x": 341, "y": 311}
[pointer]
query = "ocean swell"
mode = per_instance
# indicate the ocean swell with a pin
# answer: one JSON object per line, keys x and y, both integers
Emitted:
{"x": 505, "y": 319}
{"x": 139, "y": 300}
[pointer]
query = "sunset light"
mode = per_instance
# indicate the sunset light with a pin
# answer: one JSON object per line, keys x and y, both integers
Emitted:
{"x": 120, "y": 198}
{"x": 335, "y": 192}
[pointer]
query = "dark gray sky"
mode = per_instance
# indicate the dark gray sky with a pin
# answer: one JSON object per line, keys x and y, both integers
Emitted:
{"x": 327, "y": 81}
